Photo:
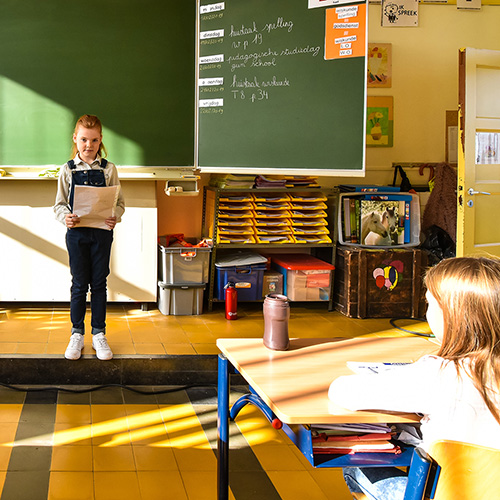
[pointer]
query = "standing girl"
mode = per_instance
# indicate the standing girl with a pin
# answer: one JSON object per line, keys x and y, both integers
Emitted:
{"x": 89, "y": 248}
{"x": 457, "y": 390}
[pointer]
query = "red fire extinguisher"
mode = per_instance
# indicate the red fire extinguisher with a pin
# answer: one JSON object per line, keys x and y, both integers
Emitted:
{"x": 231, "y": 298}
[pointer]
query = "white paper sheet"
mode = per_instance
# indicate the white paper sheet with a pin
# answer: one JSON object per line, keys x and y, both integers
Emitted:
{"x": 94, "y": 205}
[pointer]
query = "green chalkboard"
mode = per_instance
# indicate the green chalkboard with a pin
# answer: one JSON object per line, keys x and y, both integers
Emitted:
{"x": 131, "y": 62}
{"x": 277, "y": 104}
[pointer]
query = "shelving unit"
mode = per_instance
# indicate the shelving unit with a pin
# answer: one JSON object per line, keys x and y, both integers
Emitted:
{"x": 210, "y": 229}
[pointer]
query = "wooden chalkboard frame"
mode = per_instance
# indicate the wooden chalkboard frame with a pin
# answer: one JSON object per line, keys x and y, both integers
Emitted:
{"x": 311, "y": 120}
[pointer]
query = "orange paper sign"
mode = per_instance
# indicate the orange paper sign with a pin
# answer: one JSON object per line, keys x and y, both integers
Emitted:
{"x": 345, "y": 32}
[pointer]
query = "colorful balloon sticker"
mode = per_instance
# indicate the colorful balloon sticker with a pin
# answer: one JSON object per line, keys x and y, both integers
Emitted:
{"x": 388, "y": 276}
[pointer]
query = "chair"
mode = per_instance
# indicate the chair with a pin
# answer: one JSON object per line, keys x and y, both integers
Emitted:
{"x": 467, "y": 471}
{"x": 456, "y": 471}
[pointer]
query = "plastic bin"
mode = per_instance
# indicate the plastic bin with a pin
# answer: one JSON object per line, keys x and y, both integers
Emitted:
{"x": 180, "y": 300}
{"x": 412, "y": 217}
{"x": 246, "y": 270}
{"x": 181, "y": 265}
{"x": 305, "y": 278}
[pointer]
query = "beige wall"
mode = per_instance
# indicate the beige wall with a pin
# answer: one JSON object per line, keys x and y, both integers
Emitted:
{"x": 424, "y": 86}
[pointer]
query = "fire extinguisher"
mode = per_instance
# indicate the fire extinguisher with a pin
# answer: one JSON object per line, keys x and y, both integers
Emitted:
{"x": 231, "y": 298}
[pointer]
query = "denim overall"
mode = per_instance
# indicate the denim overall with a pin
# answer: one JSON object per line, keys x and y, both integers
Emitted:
{"x": 89, "y": 251}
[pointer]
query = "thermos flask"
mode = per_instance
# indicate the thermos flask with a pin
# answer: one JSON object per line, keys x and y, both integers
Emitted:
{"x": 231, "y": 298}
{"x": 276, "y": 316}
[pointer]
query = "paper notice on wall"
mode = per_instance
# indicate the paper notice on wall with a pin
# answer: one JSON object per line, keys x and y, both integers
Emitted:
{"x": 94, "y": 205}
{"x": 345, "y": 34}
{"x": 314, "y": 4}
{"x": 399, "y": 12}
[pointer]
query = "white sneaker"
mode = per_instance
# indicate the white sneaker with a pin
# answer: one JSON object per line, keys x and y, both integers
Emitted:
{"x": 101, "y": 347}
{"x": 75, "y": 346}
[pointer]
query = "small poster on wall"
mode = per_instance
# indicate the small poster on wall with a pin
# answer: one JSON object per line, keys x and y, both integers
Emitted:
{"x": 379, "y": 121}
{"x": 379, "y": 65}
{"x": 314, "y": 4}
{"x": 399, "y": 12}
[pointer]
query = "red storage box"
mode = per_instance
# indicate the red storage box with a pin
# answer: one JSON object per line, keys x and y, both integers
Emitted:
{"x": 304, "y": 277}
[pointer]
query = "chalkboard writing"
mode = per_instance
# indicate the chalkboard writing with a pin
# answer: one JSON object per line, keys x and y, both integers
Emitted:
{"x": 268, "y": 99}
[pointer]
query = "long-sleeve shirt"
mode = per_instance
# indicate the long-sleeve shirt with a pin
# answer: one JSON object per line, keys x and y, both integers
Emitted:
{"x": 61, "y": 207}
{"x": 452, "y": 407}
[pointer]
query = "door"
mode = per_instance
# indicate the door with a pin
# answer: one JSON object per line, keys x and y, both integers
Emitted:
{"x": 478, "y": 224}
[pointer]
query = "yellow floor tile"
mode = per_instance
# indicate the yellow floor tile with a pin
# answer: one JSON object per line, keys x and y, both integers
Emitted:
{"x": 202, "y": 336}
{"x": 162, "y": 485}
{"x": 200, "y": 485}
{"x": 108, "y": 413}
{"x": 117, "y": 458}
{"x": 34, "y": 335}
{"x": 116, "y": 486}
{"x": 331, "y": 482}
{"x": 7, "y": 433}
{"x": 72, "y": 458}
{"x": 277, "y": 457}
{"x": 31, "y": 348}
{"x": 7, "y": 347}
{"x": 63, "y": 482}
{"x": 145, "y": 336}
{"x": 150, "y": 348}
{"x": 122, "y": 347}
{"x": 73, "y": 414}
{"x": 5, "y": 452}
{"x": 175, "y": 336}
{"x": 149, "y": 458}
{"x": 72, "y": 435}
{"x": 179, "y": 349}
{"x": 56, "y": 348}
{"x": 2, "y": 479}
{"x": 210, "y": 348}
{"x": 118, "y": 336}
{"x": 195, "y": 459}
{"x": 297, "y": 485}
{"x": 10, "y": 412}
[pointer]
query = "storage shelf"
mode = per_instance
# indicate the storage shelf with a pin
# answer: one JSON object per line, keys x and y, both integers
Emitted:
{"x": 274, "y": 245}
{"x": 210, "y": 229}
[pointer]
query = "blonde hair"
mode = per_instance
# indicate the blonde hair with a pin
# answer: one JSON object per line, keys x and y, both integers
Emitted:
{"x": 89, "y": 121}
{"x": 468, "y": 291}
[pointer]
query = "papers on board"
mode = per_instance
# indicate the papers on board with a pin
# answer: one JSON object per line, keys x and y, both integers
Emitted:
{"x": 94, "y": 205}
{"x": 354, "y": 428}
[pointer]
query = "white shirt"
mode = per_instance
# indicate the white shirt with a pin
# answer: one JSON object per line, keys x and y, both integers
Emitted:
{"x": 453, "y": 409}
{"x": 61, "y": 207}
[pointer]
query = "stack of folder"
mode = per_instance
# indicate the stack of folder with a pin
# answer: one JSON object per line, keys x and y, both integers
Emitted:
{"x": 349, "y": 439}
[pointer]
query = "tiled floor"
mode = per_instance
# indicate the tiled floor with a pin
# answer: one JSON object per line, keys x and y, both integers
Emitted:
{"x": 32, "y": 329}
{"x": 113, "y": 443}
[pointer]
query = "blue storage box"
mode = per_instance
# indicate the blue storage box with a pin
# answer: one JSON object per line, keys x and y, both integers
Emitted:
{"x": 247, "y": 280}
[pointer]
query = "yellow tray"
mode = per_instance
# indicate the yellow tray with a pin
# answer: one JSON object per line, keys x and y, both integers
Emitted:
{"x": 312, "y": 239}
{"x": 235, "y": 239}
{"x": 308, "y": 214}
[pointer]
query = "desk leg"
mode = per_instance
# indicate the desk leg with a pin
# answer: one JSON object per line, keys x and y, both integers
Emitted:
{"x": 223, "y": 429}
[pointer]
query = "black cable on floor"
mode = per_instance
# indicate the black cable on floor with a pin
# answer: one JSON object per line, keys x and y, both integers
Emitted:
{"x": 393, "y": 323}
{"x": 98, "y": 387}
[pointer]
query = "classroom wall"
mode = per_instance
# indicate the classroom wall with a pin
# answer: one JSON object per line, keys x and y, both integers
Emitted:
{"x": 424, "y": 87}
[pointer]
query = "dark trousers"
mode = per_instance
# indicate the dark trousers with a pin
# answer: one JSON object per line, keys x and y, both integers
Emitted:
{"x": 89, "y": 251}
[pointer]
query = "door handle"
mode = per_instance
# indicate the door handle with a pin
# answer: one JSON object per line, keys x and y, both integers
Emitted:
{"x": 472, "y": 191}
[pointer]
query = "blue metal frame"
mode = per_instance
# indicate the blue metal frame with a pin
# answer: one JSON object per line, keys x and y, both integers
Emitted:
{"x": 223, "y": 428}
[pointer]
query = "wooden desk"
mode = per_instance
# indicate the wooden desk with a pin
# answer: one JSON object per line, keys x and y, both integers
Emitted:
{"x": 293, "y": 384}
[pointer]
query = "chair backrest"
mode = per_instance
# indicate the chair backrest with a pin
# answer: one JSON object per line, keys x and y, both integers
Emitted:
{"x": 467, "y": 471}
